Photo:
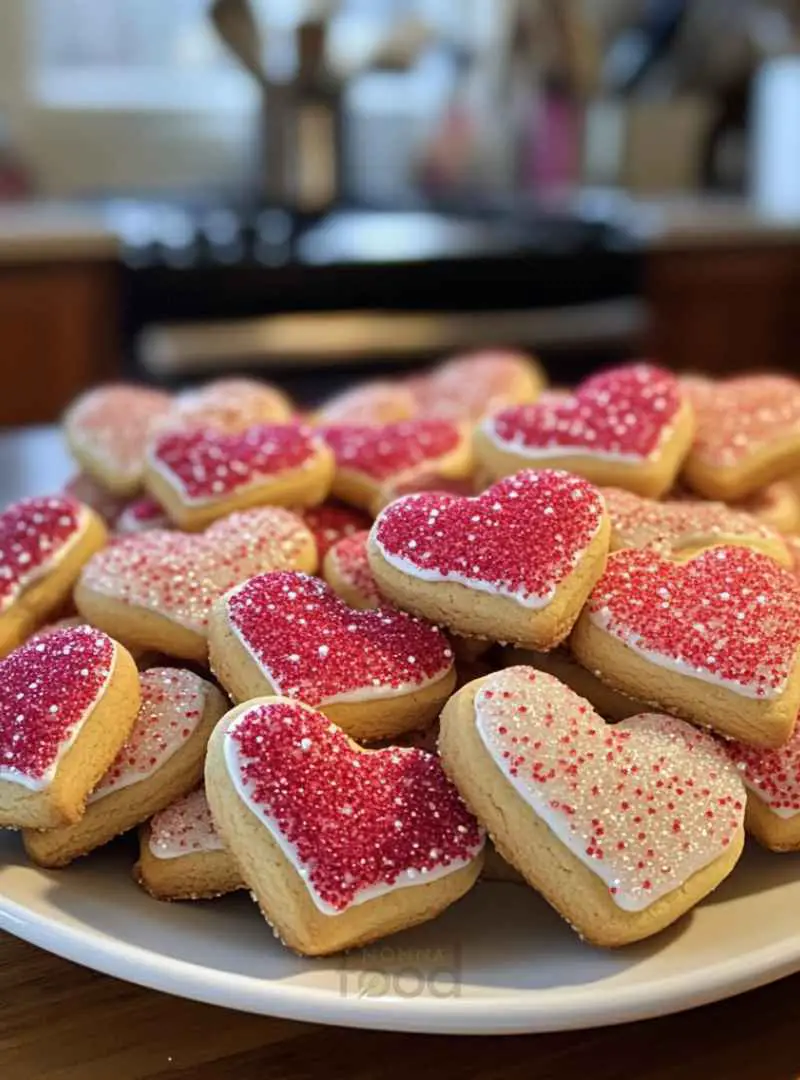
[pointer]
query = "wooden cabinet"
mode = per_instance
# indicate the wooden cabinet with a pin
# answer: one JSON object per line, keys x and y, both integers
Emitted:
{"x": 724, "y": 309}
{"x": 58, "y": 335}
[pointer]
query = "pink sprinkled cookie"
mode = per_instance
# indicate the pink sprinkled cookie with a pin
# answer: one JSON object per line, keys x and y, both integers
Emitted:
{"x": 772, "y": 779}
{"x": 686, "y": 525}
{"x": 378, "y": 401}
{"x": 199, "y": 475}
{"x": 44, "y": 542}
{"x": 67, "y": 704}
{"x": 714, "y": 639}
{"x": 375, "y": 673}
{"x": 628, "y": 427}
{"x": 140, "y": 515}
{"x": 513, "y": 564}
{"x": 161, "y": 760}
{"x": 107, "y": 431}
{"x": 331, "y": 521}
{"x": 155, "y": 590}
{"x": 339, "y": 845}
{"x": 748, "y": 434}
{"x": 181, "y": 855}
{"x": 346, "y": 569}
{"x": 373, "y": 459}
{"x": 477, "y": 384}
{"x": 623, "y": 828}
{"x": 231, "y": 405}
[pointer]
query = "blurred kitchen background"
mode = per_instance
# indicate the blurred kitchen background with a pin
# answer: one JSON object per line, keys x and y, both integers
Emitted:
{"x": 318, "y": 191}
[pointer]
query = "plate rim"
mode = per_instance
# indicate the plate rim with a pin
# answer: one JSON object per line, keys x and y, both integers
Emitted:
{"x": 539, "y": 1011}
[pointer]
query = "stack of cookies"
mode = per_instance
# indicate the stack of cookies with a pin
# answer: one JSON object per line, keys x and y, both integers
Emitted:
{"x": 447, "y": 628}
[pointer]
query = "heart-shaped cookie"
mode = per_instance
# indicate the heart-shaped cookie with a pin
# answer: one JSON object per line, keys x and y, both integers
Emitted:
{"x": 156, "y": 590}
{"x": 330, "y": 521}
{"x": 748, "y": 434}
{"x": 686, "y": 525}
{"x": 229, "y": 405}
{"x": 376, "y": 673}
{"x": 67, "y": 703}
{"x": 715, "y": 638}
{"x": 513, "y": 564}
{"x": 377, "y": 401}
{"x": 340, "y": 845}
{"x": 140, "y": 515}
{"x": 475, "y": 385}
{"x": 161, "y": 760}
{"x": 622, "y": 827}
{"x": 44, "y": 542}
{"x": 772, "y": 779}
{"x": 84, "y": 489}
{"x": 107, "y": 430}
{"x": 627, "y": 427}
{"x": 199, "y": 475}
{"x": 346, "y": 569}
{"x": 374, "y": 458}
{"x": 181, "y": 855}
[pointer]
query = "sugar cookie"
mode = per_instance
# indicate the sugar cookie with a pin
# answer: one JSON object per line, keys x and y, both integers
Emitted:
{"x": 772, "y": 779}
{"x": 44, "y": 542}
{"x": 200, "y": 475}
{"x": 181, "y": 856}
{"x": 375, "y": 673}
{"x": 776, "y": 505}
{"x": 84, "y": 489}
{"x": 330, "y": 521}
{"x": 232, "y": 405}
{"x": 372, "y": 459}
{"x": 628, "y": 427}
{"x": 162, "y": 759}
{"x": 560, "y": 663}
{"x": 346, "y": 569}
{"x": 476, "y": 384}
{"x": 622, "y": 828}
{"x": 282, "y": 780}
{"x": 714, "y": 639}
{"x": 140, "y": 515}
{"x": 377, "y": 401}
{"x": 107, "y": 431}
{"x": 514, "y": 564}
{"x": 686, "y": 525}
{"x": 67, "y": 704}
{"x": 748, "y": 434}
{"x": 155, "y": 590}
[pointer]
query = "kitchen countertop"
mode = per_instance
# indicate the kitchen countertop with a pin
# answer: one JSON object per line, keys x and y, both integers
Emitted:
{"x": 43, "y": 231}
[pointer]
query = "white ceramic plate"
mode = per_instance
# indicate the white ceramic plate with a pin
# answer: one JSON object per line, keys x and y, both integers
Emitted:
{"x": 499, "y": 961}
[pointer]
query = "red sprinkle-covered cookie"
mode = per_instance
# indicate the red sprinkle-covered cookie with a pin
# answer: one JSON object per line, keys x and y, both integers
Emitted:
{"x": 198, "y": 475}
{"x": 475, "y": 385}
{"x": 108, "y": 429}
{"x": 330, "y": 522}
{"x": 44, "y": 541}
{"x": 372, "y": 458}
{"x": 772, "y": 778}
{"x": 141, "y": 515}
{"x": 348, "y": 828}
{"x": 156, "y": 589}
{"x": 49, "y": 690}
{"x": 714, "y": 638}
{"x": 289, "y": 634}
{"x": 631, "y": 811}
{"x": 748, "y": 434}
{"x": 346, "y": 569}
{"x": 629, "y": 427}
{"x": 514, "y": 563}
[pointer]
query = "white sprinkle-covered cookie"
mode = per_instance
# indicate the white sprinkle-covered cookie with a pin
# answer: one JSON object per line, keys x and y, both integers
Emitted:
{"x": 623, "y": 828}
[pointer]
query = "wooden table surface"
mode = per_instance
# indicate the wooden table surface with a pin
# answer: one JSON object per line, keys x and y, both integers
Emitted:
{"x": 59, "y": 1021}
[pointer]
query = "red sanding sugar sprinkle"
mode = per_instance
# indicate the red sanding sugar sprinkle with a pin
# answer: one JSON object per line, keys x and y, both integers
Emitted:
{"x": 350, "y": 558}
{"x": 312, "y": 646}
{"x": 208, "y": 464}
{"x": 33, "y": 534}
{"x": 774, "y": 775}
{"x": 522, "y": 537}
{"x": 355, "y": 821}
{"x": 625, "y": 412}
{"x": 738, "y": 417}
{"x": 141, "y": 514}
{"x": 729, "y": 614}
{"x": 382, "y": 451}
{"x": 47, "y": 689}
{"x": 330, "y": 522}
